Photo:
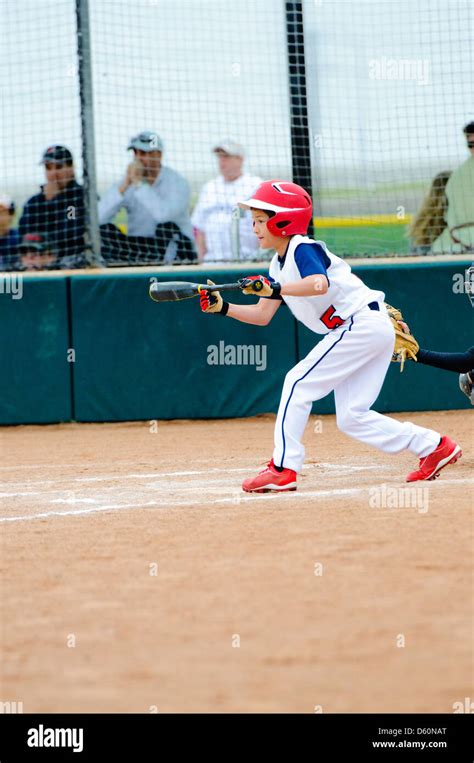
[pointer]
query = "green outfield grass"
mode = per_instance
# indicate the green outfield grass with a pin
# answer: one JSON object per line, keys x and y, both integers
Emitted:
{"x": 345, "y": 240}
{"x": 372, "y": 240}
{"x": 348, "y": 241}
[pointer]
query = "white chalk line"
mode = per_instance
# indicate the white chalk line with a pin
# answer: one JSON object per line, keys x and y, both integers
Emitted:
{"x": 111, "y": 507}
{"x": 157, "y": 485}
{"x": 238, "y": 498}
{"x": 118, "y": 476}
{"x": 73, "y": 501}
{"x": 163, "y": 485}
{"x": 211, "y": 485}
{"x": 345, "y": 468}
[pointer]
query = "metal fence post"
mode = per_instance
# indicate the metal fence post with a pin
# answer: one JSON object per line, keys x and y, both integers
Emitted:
{"x": 299, "y": 122}
{"x": 92, "y": 232}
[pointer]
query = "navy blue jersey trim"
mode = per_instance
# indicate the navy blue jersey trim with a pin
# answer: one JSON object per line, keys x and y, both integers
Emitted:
{"x": 311, "y": 259}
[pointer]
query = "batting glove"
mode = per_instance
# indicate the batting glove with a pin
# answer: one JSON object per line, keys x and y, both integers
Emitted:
{"x": 211, "y": 301}
{"x": 261, "y": 286}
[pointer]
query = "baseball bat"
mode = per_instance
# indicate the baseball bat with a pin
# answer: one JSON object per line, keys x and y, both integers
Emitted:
{"x": 171, "y": 291}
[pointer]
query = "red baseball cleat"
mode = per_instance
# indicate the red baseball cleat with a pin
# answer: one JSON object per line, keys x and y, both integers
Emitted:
{"x": 271, "y": 480}
{"x": 446, "y": 453}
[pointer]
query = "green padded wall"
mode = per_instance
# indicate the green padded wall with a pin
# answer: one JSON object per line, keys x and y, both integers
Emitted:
{"x": 136, "y": 359}
{"x": 35, "y": 378}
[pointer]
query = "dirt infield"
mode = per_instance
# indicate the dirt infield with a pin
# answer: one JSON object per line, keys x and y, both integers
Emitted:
{"x": 138, "y": 577}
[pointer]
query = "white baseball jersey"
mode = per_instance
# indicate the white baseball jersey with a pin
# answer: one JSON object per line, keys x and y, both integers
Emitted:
{"x": 346, "y": 294}
{"x": 351, "y": 360}
{"x": 213, "y": 216}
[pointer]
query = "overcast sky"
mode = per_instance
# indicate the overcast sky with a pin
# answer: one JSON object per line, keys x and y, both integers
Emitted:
{"x": 202, "y": 70}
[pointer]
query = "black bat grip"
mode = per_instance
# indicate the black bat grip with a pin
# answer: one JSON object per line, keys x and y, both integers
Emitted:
{"x": 256, "y": 284}
{"x": 223, "y": 286}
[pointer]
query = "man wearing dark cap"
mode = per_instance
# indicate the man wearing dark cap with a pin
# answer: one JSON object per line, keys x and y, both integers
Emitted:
{"x": 58, "y": 210}
{"x": 156, "y": 199}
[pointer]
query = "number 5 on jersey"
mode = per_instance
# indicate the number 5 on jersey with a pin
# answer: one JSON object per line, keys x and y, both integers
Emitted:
{"x": 330, "y": 320}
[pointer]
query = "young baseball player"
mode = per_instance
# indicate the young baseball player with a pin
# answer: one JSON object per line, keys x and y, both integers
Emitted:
{"x": 351, "y": 360}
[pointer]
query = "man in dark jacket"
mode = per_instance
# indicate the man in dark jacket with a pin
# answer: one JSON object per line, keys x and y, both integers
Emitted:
{"x": 58, "y": 210}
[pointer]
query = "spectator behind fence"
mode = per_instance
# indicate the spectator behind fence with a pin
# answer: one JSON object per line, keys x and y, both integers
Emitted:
{"x": 458, "y": 235}
{"x": 157, "y": 202}
{"x": 58, "y": 210}
{"x": 212, "y": 216}
{"x": 36, "y": 252}
{"x": 429, "y": 222}
{"x": 9, "y": 237}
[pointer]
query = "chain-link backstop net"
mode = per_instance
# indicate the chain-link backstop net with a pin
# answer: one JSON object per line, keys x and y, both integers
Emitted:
{"x": 175, "y": 109}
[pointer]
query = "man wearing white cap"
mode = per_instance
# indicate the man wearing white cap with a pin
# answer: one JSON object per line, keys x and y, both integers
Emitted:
{"x": 212, "y": 216}
{"x": 9, "y": 237}
{"x": 157, "y": 202}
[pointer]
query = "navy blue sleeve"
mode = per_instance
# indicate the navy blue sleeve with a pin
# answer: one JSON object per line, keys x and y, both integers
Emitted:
{"x": 311, "y": 259}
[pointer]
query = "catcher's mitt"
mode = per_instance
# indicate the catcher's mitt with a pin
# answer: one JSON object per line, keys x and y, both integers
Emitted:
{"x": 406, "y": 345}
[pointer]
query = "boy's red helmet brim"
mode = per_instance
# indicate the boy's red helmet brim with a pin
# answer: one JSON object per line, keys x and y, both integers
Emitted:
{"x": 291, "y": 204}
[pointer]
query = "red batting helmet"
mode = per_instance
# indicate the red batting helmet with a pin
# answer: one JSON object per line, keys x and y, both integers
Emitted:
{"x": 291, "y": 203}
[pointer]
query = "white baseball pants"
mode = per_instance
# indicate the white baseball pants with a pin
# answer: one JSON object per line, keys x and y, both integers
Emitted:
{"x": 352, "y": 360}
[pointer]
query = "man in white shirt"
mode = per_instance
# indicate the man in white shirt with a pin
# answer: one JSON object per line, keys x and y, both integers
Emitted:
{"x": 157, "y": 202}
{"x": 212, "y": 216}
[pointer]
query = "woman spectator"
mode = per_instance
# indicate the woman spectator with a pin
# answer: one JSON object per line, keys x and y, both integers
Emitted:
{"x": 429, "y": 222}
